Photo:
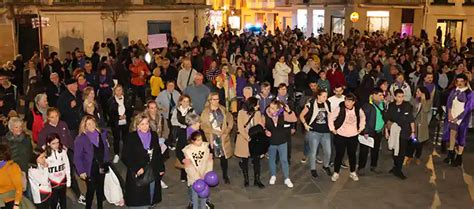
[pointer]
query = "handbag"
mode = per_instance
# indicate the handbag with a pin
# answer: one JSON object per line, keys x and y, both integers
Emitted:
{"x": 259, "y": 142}
{"x": 256, "y": 131}
{"x": 146, "y": 178}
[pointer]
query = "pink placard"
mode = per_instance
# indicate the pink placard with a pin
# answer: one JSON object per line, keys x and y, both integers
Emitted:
{"x": 157, "y": 41}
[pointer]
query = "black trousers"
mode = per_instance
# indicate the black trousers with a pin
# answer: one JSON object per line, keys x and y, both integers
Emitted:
{"x": 244, "y": 163}
{"x": 224, "y": 166}
{"x": 74, "y": 184}
{"x": 288, "y": 143}
{"x": 58, "y": 196}
{"x": 374, "y": 152}
{"x": 95, "y": 184}
{"x": 138, "y": 91}
{"x": 415, "y": 149}
{"x": 119, "y": 132}
{"x": 398, "y": 160}
{"x": 44, "y": 205}
{"x": 342, "y": 144}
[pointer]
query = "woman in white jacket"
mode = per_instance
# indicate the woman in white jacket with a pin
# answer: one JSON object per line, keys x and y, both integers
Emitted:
{"x": 281, "y": 72}
{"x": 38, "y": 177}
{"x": 58, "y": 169}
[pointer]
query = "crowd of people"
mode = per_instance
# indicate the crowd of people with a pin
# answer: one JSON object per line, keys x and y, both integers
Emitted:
{"x": 219, "y": 96}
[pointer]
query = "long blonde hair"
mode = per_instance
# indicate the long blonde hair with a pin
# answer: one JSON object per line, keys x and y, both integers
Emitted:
{"x": 208, "y": 102}
{"x": 82, "y": 125}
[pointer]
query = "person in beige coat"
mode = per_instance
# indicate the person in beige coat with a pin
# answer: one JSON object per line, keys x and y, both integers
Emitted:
{"x": 423, "y": 104}
{"x": 217, "y": 123}
{"x": 248, "y": 117}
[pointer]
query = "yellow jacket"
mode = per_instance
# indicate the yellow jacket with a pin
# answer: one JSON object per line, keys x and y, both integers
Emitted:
{"x": 156, "y": 85}
{"x": 10, "y": 180}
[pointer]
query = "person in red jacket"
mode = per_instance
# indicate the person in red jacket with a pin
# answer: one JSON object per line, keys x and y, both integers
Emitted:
{"x": 335, "y": 76}
{"x": 139, "y": 72}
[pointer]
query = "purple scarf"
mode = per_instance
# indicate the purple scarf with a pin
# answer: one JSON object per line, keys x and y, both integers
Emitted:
{"x": 189, "y": 130}
{"x": 93, "y": 136}
{"x": 145, "y": 138}
{"x": 102, "y": 78}
{"x": 430, "y": 87}
{"x": 3, "y": 163}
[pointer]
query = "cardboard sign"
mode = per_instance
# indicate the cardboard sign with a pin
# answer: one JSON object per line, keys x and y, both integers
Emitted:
{"x": 157, "y": 41}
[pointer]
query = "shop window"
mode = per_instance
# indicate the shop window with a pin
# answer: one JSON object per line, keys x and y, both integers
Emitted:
{"x": 302, "y": 18}
{"x": 378, "y": 21}
{"x": 318, "y": 21}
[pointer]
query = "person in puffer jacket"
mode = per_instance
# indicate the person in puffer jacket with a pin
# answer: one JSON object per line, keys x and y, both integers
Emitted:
{"x": 58, "y": 169}
{"x": 38, "y": 177}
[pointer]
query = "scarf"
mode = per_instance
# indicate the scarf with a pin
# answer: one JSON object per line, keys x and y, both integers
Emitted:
{"x": 93, "y": 137}
{"x": 102, "y": 78}
{"x": 3, "y": 163}
{"x": 430, "y": 87}
{"x": 460, "y": 94}
{"x": 283, "y": 99}
{"x": 145, "y": 138}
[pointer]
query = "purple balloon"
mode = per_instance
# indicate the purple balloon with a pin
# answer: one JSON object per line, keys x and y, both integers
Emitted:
{"x": 211, "y": 178}
{"x": 199, "y": 185}
{"x": 204, "y": 193}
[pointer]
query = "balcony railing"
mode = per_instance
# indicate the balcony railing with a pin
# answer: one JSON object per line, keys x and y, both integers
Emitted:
{"x": 442, "y": 2}
{"x": 327, "y": 1}
{"x": 396, "y": 2}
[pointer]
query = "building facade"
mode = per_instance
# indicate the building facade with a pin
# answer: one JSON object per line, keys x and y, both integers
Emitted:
{"x": 67, "y": 24}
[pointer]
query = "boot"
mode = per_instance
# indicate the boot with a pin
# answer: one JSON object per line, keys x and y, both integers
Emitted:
{"x": 246, "y": 178}
{"x": 450, "y": 158}
{"x": 257, "y": 181}
{"x": 245, "y": 172}
{"x": 457, "y": 161}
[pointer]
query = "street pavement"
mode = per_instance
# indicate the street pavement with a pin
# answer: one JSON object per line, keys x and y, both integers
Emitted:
{"x": 432, "y": 184}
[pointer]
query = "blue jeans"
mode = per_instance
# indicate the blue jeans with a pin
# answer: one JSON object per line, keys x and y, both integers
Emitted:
{"x": 283, "y": 155}
{"x": 314, "y": 139}
{"x": 198, "y": 203}
{"x": 306, "y": 147}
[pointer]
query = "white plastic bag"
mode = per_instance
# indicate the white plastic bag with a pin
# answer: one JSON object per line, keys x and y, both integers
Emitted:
{"x": 112, "y": 189}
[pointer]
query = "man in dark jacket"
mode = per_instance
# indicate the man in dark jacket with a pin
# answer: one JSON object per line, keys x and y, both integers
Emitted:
{"x": 54, "y": 89}
{"x": 374, "y": 124}
{"x": 168, "y": 72}
{"x": 69, "y": 105}
{"x": 401, "y": 113}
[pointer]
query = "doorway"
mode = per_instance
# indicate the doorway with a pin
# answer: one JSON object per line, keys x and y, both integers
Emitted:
{"x": 452, "y": 27}
{"x": 28, "y": 37}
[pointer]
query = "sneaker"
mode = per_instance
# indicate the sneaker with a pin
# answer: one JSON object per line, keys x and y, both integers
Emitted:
{"x": 314, "y": 173}
{"x": 303, "y": 160}
{"x": 344, "y": 165}
{"x": 116, "y": 159}
{"x": 172, "y": 148}
{"x": 354, "y": 176}
{"x": 272, "y": 180}
{"x": 164, "y": 185}
{"x": 81, "y": 200}
{"x": 327, "y": 170}
{"x": 334, "y": 177}
{"x": 288, "y": 183}
{"x": 319, "y": 161}
{"x": 209, "y": 205}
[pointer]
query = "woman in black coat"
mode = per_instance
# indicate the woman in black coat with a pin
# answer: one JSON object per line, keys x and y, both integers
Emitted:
{"x": 142, "y": 149}
{"x": 119, "y": 112}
